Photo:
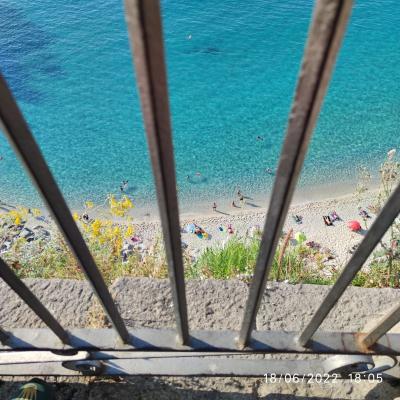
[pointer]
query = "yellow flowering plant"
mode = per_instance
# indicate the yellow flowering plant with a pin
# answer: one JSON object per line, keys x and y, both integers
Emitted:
{"x": 103, "y": 231}
{"x": 120, "y": 208}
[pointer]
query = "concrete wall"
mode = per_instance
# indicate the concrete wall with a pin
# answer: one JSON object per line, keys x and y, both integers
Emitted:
{"x": 212, "y": 305}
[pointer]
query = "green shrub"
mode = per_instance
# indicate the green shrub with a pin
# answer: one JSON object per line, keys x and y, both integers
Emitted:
{"x": 237, "y": 259}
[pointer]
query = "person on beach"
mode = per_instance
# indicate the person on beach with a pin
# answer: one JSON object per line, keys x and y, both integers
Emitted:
{"x": 241, "y": 199}
{"x": 239, "y": 193}
{"x": 334, "y": 216}
{"x": 214, "y": 206}
{"x": 297, "y": 218}
{"x": 363, "y": 213}
{"x": 234, "y": 204}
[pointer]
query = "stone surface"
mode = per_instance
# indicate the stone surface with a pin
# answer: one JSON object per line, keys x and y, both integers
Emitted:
{"x": 212, "y": 305}
{"x": 220, "y": 304}
{"x": 153, "y": 388}
{"x": 68, "y": 300}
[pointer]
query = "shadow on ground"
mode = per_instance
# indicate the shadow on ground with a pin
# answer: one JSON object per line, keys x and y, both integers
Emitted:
{"x": 144, "y": 388}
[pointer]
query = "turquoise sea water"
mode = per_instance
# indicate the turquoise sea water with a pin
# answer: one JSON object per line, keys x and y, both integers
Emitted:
{"x": 69, "y": 65}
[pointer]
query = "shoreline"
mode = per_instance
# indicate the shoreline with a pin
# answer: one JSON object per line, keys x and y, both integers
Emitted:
{"x": 337, "y": 238}
{"x": 147, "y": 209}
{"x": 255, "y": 204}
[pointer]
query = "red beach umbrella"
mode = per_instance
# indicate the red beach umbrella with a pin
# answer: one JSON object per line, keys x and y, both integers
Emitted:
{"x": 354, "y": 225}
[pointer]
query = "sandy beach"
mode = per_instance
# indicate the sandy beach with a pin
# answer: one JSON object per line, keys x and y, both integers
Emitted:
{"x": 338, "y": 237}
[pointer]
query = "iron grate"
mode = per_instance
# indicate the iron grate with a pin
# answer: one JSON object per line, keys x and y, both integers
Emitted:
{"x": 145, "y": 29}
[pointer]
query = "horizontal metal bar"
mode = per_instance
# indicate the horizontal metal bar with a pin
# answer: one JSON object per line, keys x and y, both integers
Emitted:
{"x": 173, "y": 367}
{"x": 319, "y": 370}
{"x": 19, "y": 287}
{"x": 215, "y": 341}
{"x": 144, "y": 25}
{"x": 208, "y": 364}
{"x": 327, "y": 30}
{"x": 383, "y": 326}
{"x": 381, "y": 224}
{"x": 25, "y": 146}
{"x": 37, "y": 356}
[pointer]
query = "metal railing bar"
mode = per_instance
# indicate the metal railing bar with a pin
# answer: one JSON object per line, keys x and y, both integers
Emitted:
{"x": 12, "y": 280}
{"x": 384, "y": 326}
{"x": 175, "y": 366}
{"x": 180, "y": 364}
{"x": 154, "y": 339}
{"x": 25, "y": 146}
{"x": 3, "y": 336}
{"x": 145, "y": 29}
{"x": 326, "y": 32}
{"x": 382, "y": 223}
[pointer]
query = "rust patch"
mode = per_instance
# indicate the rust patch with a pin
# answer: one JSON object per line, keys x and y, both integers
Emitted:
{"x": 359, "y": 339}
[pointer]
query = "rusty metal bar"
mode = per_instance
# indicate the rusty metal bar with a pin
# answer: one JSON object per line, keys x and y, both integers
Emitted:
{"x": 25, "y": 146}
{"x": 384, "y": 326}
{"x": 12, "y": 280}
{"x": 326, "y": 33}
{"x": 382, "y": 223}
{"x": 144, "y": 25}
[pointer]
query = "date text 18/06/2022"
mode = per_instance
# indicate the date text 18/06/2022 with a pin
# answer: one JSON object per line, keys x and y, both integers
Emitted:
{"x": 321, "y": 379}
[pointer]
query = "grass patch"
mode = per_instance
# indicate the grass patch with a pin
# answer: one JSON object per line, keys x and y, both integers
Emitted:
{"x": 235, "y": 260}
{"x": 378, "y": 274}
{"x": 238, "y": 257}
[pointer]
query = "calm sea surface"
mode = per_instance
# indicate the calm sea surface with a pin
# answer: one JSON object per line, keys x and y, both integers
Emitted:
{"x": 69, "y": 65}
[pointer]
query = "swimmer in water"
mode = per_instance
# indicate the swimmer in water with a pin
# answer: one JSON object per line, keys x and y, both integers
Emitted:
{"x": 123, "y": 186}
{"x": 259, "y": 138}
